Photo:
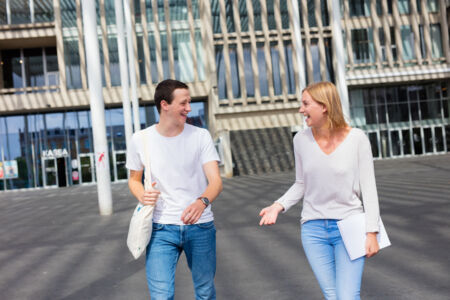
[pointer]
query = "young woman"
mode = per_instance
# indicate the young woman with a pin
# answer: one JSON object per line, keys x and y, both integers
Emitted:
{"x": 335, "y": 177}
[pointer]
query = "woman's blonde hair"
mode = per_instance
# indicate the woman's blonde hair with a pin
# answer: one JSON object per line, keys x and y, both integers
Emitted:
{"x": 326, "y": 94}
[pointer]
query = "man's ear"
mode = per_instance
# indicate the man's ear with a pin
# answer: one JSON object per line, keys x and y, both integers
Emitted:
{"x": 164, "y": 105}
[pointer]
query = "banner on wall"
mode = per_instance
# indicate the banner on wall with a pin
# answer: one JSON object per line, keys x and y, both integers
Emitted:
{"x": 9, "y": 169}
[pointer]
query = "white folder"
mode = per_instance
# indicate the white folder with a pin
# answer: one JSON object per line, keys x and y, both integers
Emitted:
{"x": 353, "y": 232}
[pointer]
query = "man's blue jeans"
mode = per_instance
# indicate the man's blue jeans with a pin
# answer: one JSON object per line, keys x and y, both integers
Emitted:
{"x": 338, "y": 276}
{"x": 198, "y": 241}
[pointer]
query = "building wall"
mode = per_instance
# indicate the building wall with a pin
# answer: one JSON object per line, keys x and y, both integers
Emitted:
{"x": 243, "y": 60}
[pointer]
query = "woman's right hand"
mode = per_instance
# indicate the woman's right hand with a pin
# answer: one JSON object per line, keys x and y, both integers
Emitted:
{"x": 269, "y": 214}
{"x": 150, "y": 197}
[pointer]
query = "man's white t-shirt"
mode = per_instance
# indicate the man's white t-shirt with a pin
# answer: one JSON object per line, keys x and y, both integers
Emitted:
{"x": 176, "y": 165}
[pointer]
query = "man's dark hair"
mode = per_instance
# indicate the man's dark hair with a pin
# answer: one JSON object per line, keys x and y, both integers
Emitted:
{"x": 164, "y": 91}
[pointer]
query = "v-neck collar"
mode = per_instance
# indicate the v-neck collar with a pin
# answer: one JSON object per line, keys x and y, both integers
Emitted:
{"x": 335, "y": 149}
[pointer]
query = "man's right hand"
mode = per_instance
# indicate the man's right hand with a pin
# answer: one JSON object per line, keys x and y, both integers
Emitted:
{"x": 150, "y": 197}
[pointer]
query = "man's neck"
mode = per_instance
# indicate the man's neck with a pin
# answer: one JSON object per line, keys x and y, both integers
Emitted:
{"x": 169, "y": 129}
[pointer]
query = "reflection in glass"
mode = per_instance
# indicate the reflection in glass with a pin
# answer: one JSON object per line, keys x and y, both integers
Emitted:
{"x": 439, "y": 139}
{"x": 234, "y": 71}
{"x": 20, "y": 11}
{"x": 182, "y": 53}
{"x": 275, "y": 68}
{"x": 221, "y": 76}
{"x": 373, "y": 137}
{"x": 417, "y": 141}
{"x": 12, "y": 69}
{"x": 248, "y": 71}
{"x": 384, "y": 142}
{"x": 406, "y": 136}
{"x": 43, "y": 11}
{"x": 34, "y": 68}
{"x": 262, "y": 69}
{"x": 72, "y": 63}
{"x": 395, "y": 142}
{"x": 428, "y": 140}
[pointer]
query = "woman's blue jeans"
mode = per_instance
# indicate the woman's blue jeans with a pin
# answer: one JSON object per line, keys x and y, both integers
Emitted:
{"x": 198, "y": 241}
{"x": 338, "y": 276}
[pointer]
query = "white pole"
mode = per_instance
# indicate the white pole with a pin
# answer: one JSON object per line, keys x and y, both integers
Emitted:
{"x": 123, "y": 72}
{"x": 298, "y": 45}
{"x": 338, "y": 46}
{"x": 97, "y": 107}
{"x": 134, "y": 99}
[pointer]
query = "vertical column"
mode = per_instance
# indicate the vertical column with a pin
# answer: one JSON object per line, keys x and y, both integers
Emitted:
{"x": 131, "y": 66}
{"x": 375, "y": 33}
{"x": 297, "y": 39}
{"x": 123, "y": 71}
{"x": 210, "y": 65}
{"x": 267, "y": 54}
{"x": 105, "y": 43}
{"x": 281, "y": 53}
{"x": 226, "y": 52}
{"x": 81, "y": 46}
{"x": 426, "y": 31}
{"x": 444, "y": 29}
{"x": 387, "y": 34}
{"x": 338, "y": 47}
{"x": 157, "y": 36}
{"x": 415, "y": 27}
{"x": 148, "y": 73}
{"x": 398, "y": 36}
{"x": 254, "y": 50}
{"x": 192, "y": 39}
{"x": 240, "y": 51}
{"x": 59, "y": 46}
{"x": 348, "y": 33}
{"x": 97, "y": 108}
{"x": 169, "y": 39}
{"x": 322, "y": 58}
{"x": 309, "y": 64}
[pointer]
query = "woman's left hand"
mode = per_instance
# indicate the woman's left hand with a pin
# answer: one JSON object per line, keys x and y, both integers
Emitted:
{"x": 372, "y": 246}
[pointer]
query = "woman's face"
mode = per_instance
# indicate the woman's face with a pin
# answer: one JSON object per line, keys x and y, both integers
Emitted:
{"x": 315, "y": 113}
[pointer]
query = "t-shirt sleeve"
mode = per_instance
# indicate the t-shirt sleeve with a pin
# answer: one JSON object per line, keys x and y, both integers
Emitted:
{"x": 133, "y": 159}
{"x": 208, "y": 150}
{"x": 367, "y": 184}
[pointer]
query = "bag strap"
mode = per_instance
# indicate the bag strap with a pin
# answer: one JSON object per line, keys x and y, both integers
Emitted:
{"x": 147, "y": 172}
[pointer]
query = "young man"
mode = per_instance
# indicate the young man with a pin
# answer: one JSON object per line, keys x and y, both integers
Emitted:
{"x": 185, "y": 175}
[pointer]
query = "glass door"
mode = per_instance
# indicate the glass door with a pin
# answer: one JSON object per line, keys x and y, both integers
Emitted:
{"x": 119, "y": 161}
{"x": 87, "y": 168}
{"x": 50, "y": 171}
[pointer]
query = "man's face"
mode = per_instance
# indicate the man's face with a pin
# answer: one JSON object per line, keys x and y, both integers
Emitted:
{"x": 180, "y": 106}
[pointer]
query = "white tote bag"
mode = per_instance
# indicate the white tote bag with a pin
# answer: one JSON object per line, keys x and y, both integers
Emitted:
{"x": 140, "y": 230}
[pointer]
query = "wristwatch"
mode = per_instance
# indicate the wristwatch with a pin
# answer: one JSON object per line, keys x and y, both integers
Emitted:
{"x": 204, "y": 200}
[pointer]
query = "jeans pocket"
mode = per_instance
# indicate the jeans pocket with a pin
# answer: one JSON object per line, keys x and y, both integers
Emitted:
{"x": 157, "y": 226}
{"x": 206, "y": 225}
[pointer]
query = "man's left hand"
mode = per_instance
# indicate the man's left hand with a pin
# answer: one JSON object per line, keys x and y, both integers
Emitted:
{"x": 193, "y": 212}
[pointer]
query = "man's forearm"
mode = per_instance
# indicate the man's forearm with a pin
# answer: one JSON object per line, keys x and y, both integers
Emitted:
{"x": 136, "y": 188}
{"x": 213, "y": 190}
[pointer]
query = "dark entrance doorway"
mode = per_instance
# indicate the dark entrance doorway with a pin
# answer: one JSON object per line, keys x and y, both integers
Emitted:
{"x": 61, "y": 172}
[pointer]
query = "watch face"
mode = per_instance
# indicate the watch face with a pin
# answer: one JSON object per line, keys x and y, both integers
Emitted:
{"x": 205, "y": 200}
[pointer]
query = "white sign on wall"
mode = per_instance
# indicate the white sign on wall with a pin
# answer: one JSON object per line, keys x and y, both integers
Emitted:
{"x": 55, "y": 153}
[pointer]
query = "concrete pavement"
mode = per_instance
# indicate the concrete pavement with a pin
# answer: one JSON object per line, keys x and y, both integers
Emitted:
{"x": 54, "y": 245}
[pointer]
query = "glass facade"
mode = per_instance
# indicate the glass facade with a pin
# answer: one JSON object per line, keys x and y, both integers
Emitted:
{"x": 26, "y": 11}
{"x": 403, "y": 120}
{"x": 35, "y": 68}
{"x": 56, "y": 149}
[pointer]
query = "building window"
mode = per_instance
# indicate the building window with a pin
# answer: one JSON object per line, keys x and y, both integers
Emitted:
{"x": 407, "y": 42}
{"x": 403, "y": 6}
{"x": 436, "y": 41}
{"x": 26, "y": 11}
{"x": 359, "y": 8}
{"x": 362, "y": 45}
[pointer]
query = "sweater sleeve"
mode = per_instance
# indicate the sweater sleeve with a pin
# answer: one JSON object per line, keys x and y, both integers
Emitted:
{"x": 295, "y": 193}
{"x": 368, "y": 185}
